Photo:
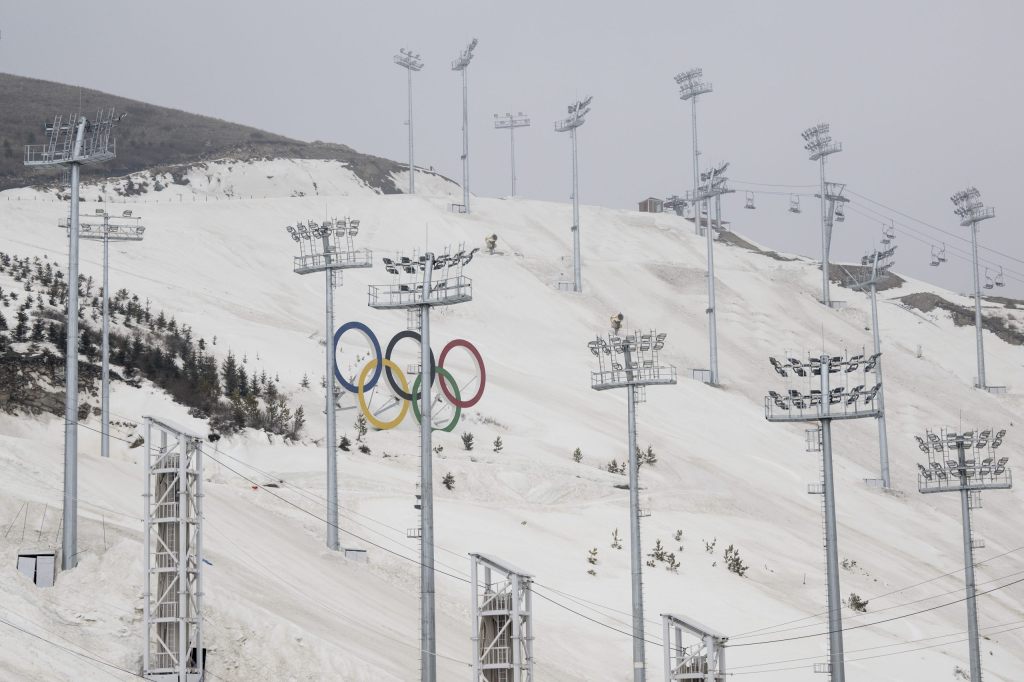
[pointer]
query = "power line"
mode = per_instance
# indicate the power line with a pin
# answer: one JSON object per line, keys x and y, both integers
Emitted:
{"x": 72, "y": 651}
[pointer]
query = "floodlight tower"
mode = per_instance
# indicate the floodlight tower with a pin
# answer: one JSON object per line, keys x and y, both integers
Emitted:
{"x": 410, "y": 62}
{"x": 971, "y": 211}
{"x": 965, "y": 462}
{"x": 692, "y": 86}
{"x": 126, "y": 228}
{"x": 512, "y": 121}
{"x": 824, "y": 405}
{"x": 502, "y": 612}
{"x": 631, "y": 362}
{"x": 881, "y": 262}
{"x": 329, "y": 247}
{"x": 73, "y": 141}
{"x": 818, "y": 143}
{"x": 405, "y": 292}
{"x": 714, "y": 185}
{"x": 462, "y": 64}
{"x": 577, "y": 117}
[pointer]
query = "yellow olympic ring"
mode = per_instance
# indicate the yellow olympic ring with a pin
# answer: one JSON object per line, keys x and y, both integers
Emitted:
{"x": 383, "y": 425}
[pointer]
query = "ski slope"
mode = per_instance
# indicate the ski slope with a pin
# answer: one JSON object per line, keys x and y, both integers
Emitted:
{"x": 281, "y": 607}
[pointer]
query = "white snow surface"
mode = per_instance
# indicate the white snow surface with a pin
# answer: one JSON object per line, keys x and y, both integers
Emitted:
{"x": 280, "y": 606}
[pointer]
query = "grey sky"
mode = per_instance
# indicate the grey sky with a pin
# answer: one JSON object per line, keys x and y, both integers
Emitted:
{"x": 925, "y": 96}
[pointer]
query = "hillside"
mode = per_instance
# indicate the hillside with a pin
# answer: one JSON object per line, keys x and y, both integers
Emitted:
{"x": 279, "y": 606}
{"x": 153, "y": 137}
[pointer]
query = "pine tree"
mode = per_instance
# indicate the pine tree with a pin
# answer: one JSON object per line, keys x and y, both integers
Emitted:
{"x": 734, "y": 563}
{"x": 467, "y": 440}
{"x": 498, "y": 445}
{"x": 577, "y": 455}
{"x": 229, "y": 372}
{"x": 616, "y": 540}
{"x": 3, "y": 322}
{"x": 298, "y": 422}
{"x": 360, "y": 427}
{"x": 592, "y": 557}
{"x": 305, "y": 381}
{"x": 345, "y": 443}
{"x": 21, "y": 329}
{"x": 448, "y": 481}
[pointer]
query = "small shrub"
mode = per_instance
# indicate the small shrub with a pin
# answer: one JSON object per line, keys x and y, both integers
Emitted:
{"x": 448, "y": 481}
{"x": 616, "y": 540}
{"x": 577, "y": 455}
{"x": 592, "y": 557}
{"x": 733, "y": 561}
{"x": 364, "y": 448}
{"x": 360, "y": 427}
{"x": 709, "y": 547}
{"x": 467, "y": 441}
{"x": 498, "y": 445}
{"x": 856, "y": 603}
{"x": 345, "y": 444}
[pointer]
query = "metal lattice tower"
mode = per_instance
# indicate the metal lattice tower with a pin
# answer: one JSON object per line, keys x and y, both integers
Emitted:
{"x": 173, "y": 538}
{"x": 713, "y": 186}
{"x": 512, "y": 121}
{"x": 966, "y": 463}
{"x": 703, "y": 660}
{"x": 825, "y": 405}
{"x": 462, "y": 64}
{"x": 691, "y": 86}
{"x": 971, "y": 211}
{"x": 329, "y": 247}
{"x": 73, "y": 141}
{"x": 819, "y": 145}
{"x": 577, "y": 117}
{"x": 450, "y": 287}
{"x": 502, "y": 612}
{"x": 632, "y": 362}
{"x": 124, "y": 228}
{"x": 410, "y": 62}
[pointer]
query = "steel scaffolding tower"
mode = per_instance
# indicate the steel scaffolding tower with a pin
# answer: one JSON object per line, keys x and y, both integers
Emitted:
{"x": 512, "y": 121}
{"x": 703, "y": 661}
{"x": 819, "y": 145}
{"x": 632, "y": 362}
{"x": 577, "y": 117}
{"x": 462, "y": 64}
{"x": 450, "y": 288}
{"x": 73, "y": 141}
{"x": 691, "y": 86}
{"x": 825, "y": 405}
{"x": 966, "y": 463}
{"x": 329, "y": 247}
{"x": 971, "y": 211}
{"x": 410, "y": 62}
{"x": 173, "y": 538}
{"x": 125, "y": 228}
{"x": 502, "y": 615}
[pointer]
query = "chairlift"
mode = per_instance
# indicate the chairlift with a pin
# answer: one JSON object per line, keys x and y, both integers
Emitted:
{"x": 1000, "y": 282}
{"x": 794, "y": 203}
{"x": 936, "y": 261}
{"x": 989, "y": 282}
{"x": 750, "y": 200}
{"x": 889, "y": 231}
{"x": 840, "y": 213}
{"x": 942, "y": 253}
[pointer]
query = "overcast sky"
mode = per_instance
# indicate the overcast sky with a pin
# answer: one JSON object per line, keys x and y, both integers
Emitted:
{"x": 926, "y": 96}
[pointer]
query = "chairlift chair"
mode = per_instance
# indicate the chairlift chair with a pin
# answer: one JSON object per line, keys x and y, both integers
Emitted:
{"x": 942, "y": 253}
{"x": 935, "y": 258}
{"x": 989, "y": 282}
{"x": 840, "y": 214}
{"x": 1000, "y": 282}
{"x": 750, "y": 200}
{"x": 794, "y": 203}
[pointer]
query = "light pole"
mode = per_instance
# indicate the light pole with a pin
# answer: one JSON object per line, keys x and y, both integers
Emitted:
{"x": 825, "y": 405}
{"x": 818, "y": 143}
{"x": 577, "y": 117}
{"x": 631, "y": 362}
{"x": 971, "y": 211}
{"x": 966, "y": 463}
{"x": 691, "y": 86}
{"x": 328, "y": 247}
{"x": 410, "y": 62}
{"x": 512, "y": 121}
{"x": 450, "y": 287}
{"x": 126, "y": 228}
{"x": 462, "y": 64}
{"x": 72, "y": 142}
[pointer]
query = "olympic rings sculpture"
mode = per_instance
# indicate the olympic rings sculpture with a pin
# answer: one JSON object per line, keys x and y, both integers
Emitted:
{"x": 382, "y": 364}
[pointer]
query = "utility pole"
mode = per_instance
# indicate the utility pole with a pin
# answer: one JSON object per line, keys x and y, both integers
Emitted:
{"x": 818, "y": 143}
{"x": 971, "y": 211}
{"x": 329, "y": 247}
{"x": 410, "y": 62}
{"x": 512, "y": 121}
{"x": 72, "y": 142}
{"x": 462, "y": 64}
{"x": 632, "y": 362}
{"x": 966, "y": 463}
{"x": 577, "y": 113}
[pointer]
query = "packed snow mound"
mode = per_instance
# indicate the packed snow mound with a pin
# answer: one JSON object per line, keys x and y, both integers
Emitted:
{"x": 279, "y": 606}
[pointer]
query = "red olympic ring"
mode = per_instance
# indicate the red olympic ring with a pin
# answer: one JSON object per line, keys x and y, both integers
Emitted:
{"x": 470, "y": 402}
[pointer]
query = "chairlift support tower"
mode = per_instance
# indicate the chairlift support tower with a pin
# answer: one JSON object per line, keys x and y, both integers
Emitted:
{"x": 450, "y": 288}
{"x": 173, "y": 538}
{"x": 703, "y": 661}
{"x": 691, "y": 86}
{"x": 577, "y": 117}
{"x": 125, "y": 228}
{"x": 819, "y": 145}
{"x": 462, "y": 64}
{"x": 73, "y": 141}
{"x": 966, "y": 463}
{"x": 632, "y": 362}
{"x": 329, "y": 247}
{"x": 512, "y": 121}
{"x": 971, "y": 211}
{"x": 410, "y": 62}
{"x": 824, "y": 406}
{"x": 502, "y": 612}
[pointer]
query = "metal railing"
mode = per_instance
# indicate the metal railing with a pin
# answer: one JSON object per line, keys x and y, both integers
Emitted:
{"x": 810, "y": 408}
{"x": 443, "y": 292}
{"x": 498, "y": 655}
{"x": 333, "y": 260}
{"x": 619, "y": 376}
{"x": 941, "y": 480}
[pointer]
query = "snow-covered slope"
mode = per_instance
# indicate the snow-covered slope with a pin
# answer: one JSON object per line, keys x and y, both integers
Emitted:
{"x": 281, "y": 607}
